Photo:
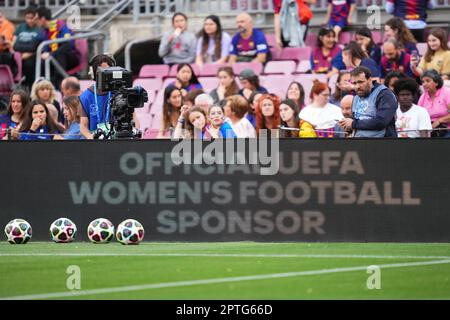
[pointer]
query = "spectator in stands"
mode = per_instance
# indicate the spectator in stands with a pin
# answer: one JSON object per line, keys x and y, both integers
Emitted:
{"x": 251, "y": 116}
{"x": 178, "y": 45}
{"x": 392, "y": 77}
{"x": 291, "y": 22}
{"x": 27, "y": 38}
{"x": 6, "y": 37}
{"x": 412, "y": 121}
{"x": 343, "y": 87}
{"x": 437, "y": 56}
{"x": 296, "y": 93}
{"x": 267, "y": 112}
{"x": 227, "y": 85}
{"x": 189, "y": 99}
{"x": 38, "y": 124}
{"x": 173, "y": 101}
{"x": 324, "y": 53}
{"x": 194, "y": 121}
{"x": 186, "y": 79}
{"x": 339, "y": 14}
{"x": 65, "y": 53}
{"x": 235, "y": 110}
{"x": 321, "y": 114}
{"x": 373, "y": 108}
{"x": 213, "y": 44}
{"x": 289, "y": 119}
{"x": 204, "y": 101}
{"x": 71, "y": 109}
{"x": 18, "y": 102}
{"x": 396, "y": 28}
{"x": 70, "y": 86}
{"x": 413, "y": 12}
{"x": 346, "y": 106}
{"x": 395, "y": 59}
{"x": 217, "y": 127}
{"x": 435, "y": 99}
{"x": 353, "y": 56}
{"x": 249, "y": 44}
{"x": 44, "y": 90}
{"x": 249, "y": 83}
{"x": 363, "y": 37}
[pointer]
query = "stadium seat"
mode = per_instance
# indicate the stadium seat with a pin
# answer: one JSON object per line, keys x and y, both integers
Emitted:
{"x": 82, "y": 47}
{"x": 6, "y": 80}
{"x": 144, "y": 121}
{"x": 345, "y": 37}
{"x": 18, "y": 59}
{"x": 154, "y": 71}
{"x": 311, "y": 39}
{"x": 297, "y": 54}
{"x": 210, "y": 69}
{"x": 209, "y": 83}
{"x": 257, "y": 67}
{"x": 148, "y": 83}
{"x": 304, "y": 66}
{"x": 173, "y": 70}
{"x": 307, "y": 81}
{"x": 280, "y": 67}
{"x": 277, "y": 84}
{"x": 275, "y": 52}
{"x": 422, "y": 48}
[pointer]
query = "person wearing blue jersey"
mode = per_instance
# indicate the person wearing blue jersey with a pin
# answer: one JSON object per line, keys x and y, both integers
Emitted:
{"x": 249, "y": 44}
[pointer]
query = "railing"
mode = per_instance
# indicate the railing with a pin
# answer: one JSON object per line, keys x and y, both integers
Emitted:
{"x": 88, "y": 35}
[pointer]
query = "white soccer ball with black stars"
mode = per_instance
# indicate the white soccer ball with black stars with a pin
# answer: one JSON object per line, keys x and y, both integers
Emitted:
{"x": 63, "y": 230}
{"x": 130, "y": 232}
{"x": 18, "y": 231}
{"x": 100, "y": 230}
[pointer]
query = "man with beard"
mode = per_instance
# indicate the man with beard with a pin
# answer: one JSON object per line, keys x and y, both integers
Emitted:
{"x": 395, "y": 59}
{"x": 373, "y": 107}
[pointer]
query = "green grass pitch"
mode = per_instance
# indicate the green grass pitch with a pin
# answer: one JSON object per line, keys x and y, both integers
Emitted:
{"x": 231, "y": 270}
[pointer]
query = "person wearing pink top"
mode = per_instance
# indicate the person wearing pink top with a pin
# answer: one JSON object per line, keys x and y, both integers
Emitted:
{"x": 436, "y": 99}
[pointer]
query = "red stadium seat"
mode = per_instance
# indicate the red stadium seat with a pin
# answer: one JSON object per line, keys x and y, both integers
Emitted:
{"x": 148, "y": 83}
{"x": 6, "y": 80}
{"x": 297, "y": 54}
{"x": 275, "y": 52}
{"x": 277, "y": 84}
{"x": 344, "y": 37}
{"x": 255, "y": 66}
{"x": 210, "y": 69}
{"x": 154, "y": 71}
{"x": 280, "y": 67}
{"x": 209, "y": 83}
{"x": 311, "y": 39}
{"x": 18, "y": 59}
{"x": 82, "y": 47}
{"x": 173, "y": 70}
{"x": 304, "y": 66}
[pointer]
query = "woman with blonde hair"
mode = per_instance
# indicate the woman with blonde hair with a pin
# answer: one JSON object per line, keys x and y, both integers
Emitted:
{"x": 71, "y": 110}
{"x": 44, "y": 90}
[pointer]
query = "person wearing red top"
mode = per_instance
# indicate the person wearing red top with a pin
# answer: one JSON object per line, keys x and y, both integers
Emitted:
{"x": 304, "y": 13}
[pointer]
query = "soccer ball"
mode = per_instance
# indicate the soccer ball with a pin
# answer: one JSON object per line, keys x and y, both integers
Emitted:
{"x": 100, "y": 231}
{"x": 18, "y": 231}
{"x": 63, "y": 230}
{"x": 130, "y": 232}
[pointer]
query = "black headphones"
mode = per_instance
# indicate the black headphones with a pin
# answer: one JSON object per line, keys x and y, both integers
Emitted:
{"x": 98, "y": 57}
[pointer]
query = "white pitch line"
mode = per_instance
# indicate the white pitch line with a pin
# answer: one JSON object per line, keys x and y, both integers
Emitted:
{"x": 225, "y": 255}
{"x": 68, "y": 294}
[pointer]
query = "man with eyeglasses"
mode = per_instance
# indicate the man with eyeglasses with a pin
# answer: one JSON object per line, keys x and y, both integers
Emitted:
{"x": 373, "y": 108}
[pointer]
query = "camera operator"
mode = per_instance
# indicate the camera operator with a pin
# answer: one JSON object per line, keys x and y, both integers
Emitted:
{"x": 96, "y": 104}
